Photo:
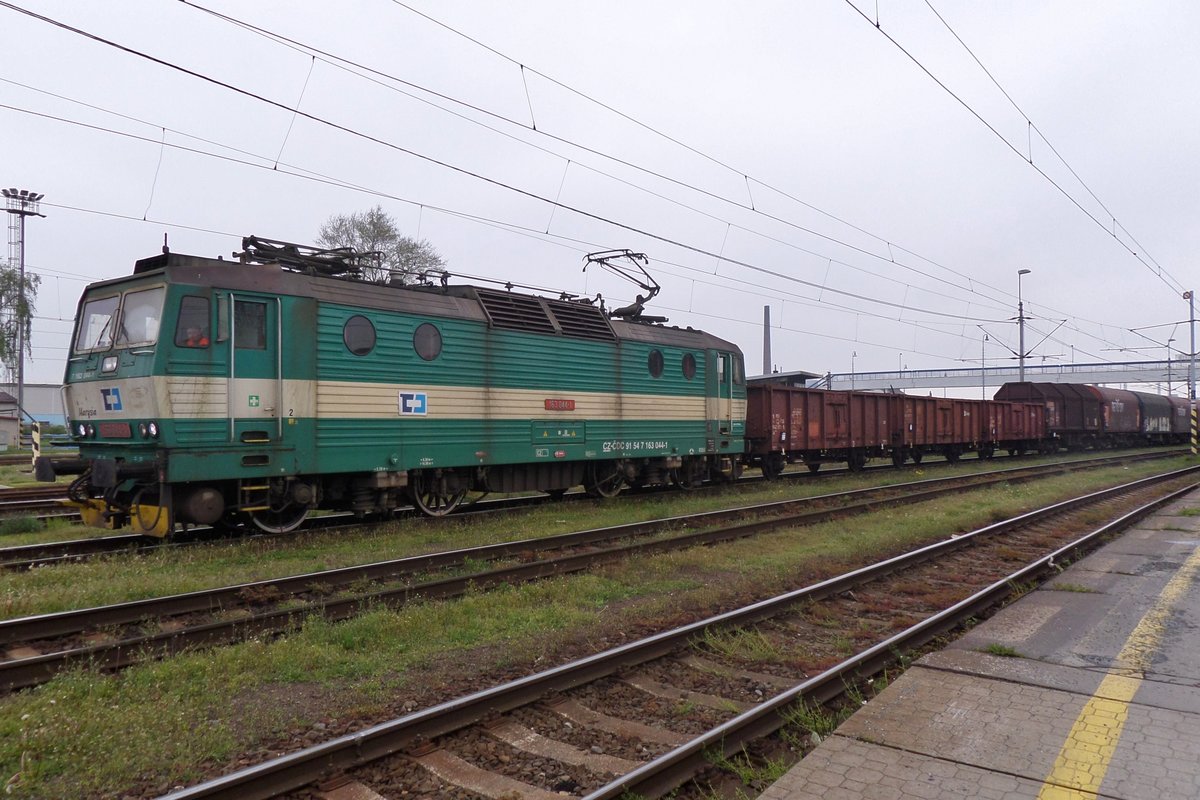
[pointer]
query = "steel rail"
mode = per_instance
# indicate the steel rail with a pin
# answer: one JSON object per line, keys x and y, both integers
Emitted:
{"x": 289, "y": 772}
{"x": 210, "y": 600}
{"x": 48, "y": 553}
{"x": 669, "y": 771}
{"x": 33, "y": 670}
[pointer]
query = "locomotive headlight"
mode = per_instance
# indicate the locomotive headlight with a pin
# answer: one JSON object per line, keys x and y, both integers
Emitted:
{"x": 109, "y": 364}
{"x": 81, "y": 429}
{"x": 90, "y": 429}
{"x": 143, "y": 430}
{"x": 152, "y": 429}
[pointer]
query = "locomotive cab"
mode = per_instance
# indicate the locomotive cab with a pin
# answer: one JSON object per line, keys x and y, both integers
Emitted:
{"x": 113, "y": 412}
{"x": 169, "y": 382}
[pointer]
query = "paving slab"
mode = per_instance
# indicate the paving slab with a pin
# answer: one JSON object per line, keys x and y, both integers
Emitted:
{"x": 1155, "y": 691}
{"x": 847, "y": 769}
{"x": 936, "y": 734}
{"x": 1103, "y": 700}
{"x": 1087, "y": 628}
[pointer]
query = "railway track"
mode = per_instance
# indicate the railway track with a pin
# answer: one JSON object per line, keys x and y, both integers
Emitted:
{"x": 43, "y": 554}
{"x": 115, "y": 636}
{"x": 649, "y": 716}
{"x": 26, "y": 499}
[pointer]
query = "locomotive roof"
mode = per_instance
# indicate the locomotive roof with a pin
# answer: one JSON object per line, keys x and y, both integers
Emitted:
{"x": 501, "y": 309}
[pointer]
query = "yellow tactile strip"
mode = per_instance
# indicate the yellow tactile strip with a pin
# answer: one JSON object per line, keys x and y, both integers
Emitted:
{"x": 1085, "y": 756}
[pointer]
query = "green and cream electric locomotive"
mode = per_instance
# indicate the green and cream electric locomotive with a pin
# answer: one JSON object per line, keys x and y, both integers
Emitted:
{"x": 204, "y": 391}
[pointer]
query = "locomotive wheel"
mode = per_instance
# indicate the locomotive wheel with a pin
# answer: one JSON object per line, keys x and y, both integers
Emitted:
{"x": 604, "y": 479}
{"x": 433, "y": 497}
{"x": 689, "y": 476}
{"x": 284, "y": 519}
{"x": 726, "y": 470}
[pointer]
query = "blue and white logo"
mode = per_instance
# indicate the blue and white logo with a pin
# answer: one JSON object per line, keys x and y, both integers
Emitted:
{"x": 413, "y": 403}
{"x": 112, "y": 399}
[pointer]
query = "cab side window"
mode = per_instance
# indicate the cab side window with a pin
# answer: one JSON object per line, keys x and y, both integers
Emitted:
{"x": 249, "y": 325}
{"x": 192, "y": 328}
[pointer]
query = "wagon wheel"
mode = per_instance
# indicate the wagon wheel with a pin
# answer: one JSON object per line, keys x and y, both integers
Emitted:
{"x": 917, "y": 455}
{"x": 279, "y": 519}
{"x": 433, "y": 496}
{"x": 813, "y": 466}
{"x": 899, "y": 457}
{"x": 987, "y": 451}
{"x": 604, "y": 479}
{"x": 773, "y": 465}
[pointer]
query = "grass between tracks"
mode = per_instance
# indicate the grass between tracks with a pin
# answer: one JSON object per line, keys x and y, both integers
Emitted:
{"x": 165, "y": 724}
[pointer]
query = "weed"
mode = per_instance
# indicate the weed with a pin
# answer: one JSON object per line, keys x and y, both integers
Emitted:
{"x": 1002, "y": 650}
{"x": 743, "y": 644}
{"x": 684, "y": 708}
{"x": 811, "y": 718}
{"x": 855, "y": 695}
{"x": 14, "y": 525}
{"x": 1071, "y": 587}
{"x": 749, "y": 770}
{"x": 1018, "y": 590}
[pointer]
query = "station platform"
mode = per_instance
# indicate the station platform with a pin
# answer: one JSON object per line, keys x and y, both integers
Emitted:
{"x": 1088, "y": 687}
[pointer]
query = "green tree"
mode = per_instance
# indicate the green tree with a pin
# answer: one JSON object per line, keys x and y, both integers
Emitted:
{"x": 401, "y": 257}
{"x": 19, "y": 306}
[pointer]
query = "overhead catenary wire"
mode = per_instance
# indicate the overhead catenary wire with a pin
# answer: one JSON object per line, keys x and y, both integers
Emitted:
{"x": 266, "y": 165}
{"x": 1168, "y": 279}
{"x": 335, "y": 60}
{"x": 696, "y": 151}
{"x": 439, "y": 162}
{"x": 1032, "y": 126}
{"x": 335, "y": 182}
{"x": 677, "y": 243}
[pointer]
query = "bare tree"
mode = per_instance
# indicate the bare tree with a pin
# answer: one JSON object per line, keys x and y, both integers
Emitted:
{"x": 401, "y": 257}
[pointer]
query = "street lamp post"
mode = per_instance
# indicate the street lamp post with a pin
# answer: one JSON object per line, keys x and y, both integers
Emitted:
{"x": 983, "y": 367}
{"x": 1169, "y": 364}
{"x": 1021, "y": 328}
{"x": 23, "y": 203}
{"x": 1190, "y": 297}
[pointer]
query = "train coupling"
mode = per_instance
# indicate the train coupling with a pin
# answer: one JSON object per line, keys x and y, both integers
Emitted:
{"x": 47, "y": 468}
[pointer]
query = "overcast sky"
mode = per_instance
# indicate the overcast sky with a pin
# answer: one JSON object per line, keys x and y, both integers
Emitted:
{"x": 790, "y": 154}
